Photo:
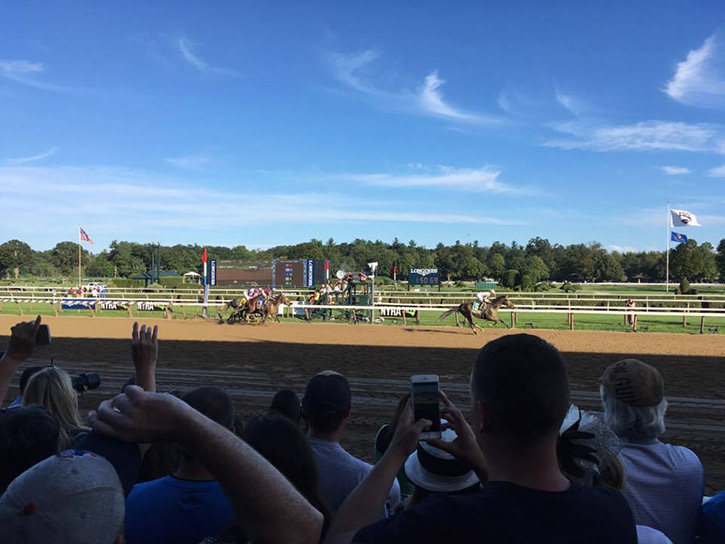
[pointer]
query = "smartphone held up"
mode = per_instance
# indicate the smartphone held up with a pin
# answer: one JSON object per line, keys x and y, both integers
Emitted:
{"x": 425, "y": 392}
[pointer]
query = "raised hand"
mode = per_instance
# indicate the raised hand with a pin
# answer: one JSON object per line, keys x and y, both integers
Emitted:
{"x": 407, "y": 434}
{"x": 144, "y": 352}
{"x": 464, "y": 447}
{"x": 140, "y": 416}
{"x": 22, "y": 340}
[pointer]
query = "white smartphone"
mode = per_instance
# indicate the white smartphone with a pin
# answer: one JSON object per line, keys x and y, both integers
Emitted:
{"x": 425, "y": 392}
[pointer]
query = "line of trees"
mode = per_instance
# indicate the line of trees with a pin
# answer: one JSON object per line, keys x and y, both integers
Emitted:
{"x": 512, "y": 265}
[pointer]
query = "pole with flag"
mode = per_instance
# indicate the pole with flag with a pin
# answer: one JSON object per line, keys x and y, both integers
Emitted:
{"x": 677, "y": 218}
{"x": 669, "y": 220}
{"x": 82, "y": 237}
{"x": 205, "y": 282}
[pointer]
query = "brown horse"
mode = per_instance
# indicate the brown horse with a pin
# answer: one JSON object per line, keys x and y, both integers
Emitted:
{"x": 489, "y": 314}
{"x": 273, "y": 304}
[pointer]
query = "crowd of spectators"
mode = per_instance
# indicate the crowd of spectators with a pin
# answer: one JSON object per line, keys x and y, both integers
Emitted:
{"x": 527, "y": 466}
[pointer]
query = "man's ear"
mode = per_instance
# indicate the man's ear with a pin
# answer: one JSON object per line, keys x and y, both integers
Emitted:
{"x": 485, "y": 417}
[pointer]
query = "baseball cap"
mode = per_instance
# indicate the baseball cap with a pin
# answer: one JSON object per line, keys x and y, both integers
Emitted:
{"x": 438, "y": 471}
{"x": 327, "y": 391}
{"x": 634, "y": 382}
{"x": 73, "y": 497}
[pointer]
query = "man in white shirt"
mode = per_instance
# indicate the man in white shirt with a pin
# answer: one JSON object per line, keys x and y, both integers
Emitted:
{"x": 665, "y": 483}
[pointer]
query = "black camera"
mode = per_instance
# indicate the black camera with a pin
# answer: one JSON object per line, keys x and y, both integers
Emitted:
{"x": 86, "y": 381}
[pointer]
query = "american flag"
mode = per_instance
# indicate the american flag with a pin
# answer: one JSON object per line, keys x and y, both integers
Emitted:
{"x": 84, "y": 236}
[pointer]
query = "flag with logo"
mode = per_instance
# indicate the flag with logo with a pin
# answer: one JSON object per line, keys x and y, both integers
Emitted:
{"x": 682, "y": 218}
{"x": 83, "y": 236}
{"x": 678, "y": 237}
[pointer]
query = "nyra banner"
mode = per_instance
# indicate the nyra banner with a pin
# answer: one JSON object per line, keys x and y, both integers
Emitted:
{"x": 150, "y": 306}
{"x": 78, "y": 303}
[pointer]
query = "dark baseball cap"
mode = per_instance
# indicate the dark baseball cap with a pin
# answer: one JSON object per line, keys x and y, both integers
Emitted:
{"x": 634, "y": 382}
{"x": 328, "y": 391}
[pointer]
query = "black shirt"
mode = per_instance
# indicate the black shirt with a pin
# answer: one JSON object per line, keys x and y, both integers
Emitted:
{"x": 504, "y": 512}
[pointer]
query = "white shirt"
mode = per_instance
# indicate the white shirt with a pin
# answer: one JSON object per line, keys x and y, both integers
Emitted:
{"x": 664, "y": 487}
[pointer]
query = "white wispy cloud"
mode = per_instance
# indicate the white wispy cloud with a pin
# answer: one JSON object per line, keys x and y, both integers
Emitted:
{"x": 699, "y": 80}
{"x": 717, "y": 172}
{"x": 192, "y": 163}
{"x": 475, "y": 180}
{"x": 186, "y": 49}
{"x": 675, "y": 170}
{"x": 573, "y": 105}
{"x": 355, "y": 70}
{"x": 25, "y": 72}
{"x": 643, "y": 136}
{"x": 32, "y": 158}
{"x": 135, "y": 202}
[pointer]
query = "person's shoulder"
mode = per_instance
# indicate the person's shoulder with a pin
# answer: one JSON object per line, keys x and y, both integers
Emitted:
{"x": 145, "y": 489}
{"x": 421, "y": 523}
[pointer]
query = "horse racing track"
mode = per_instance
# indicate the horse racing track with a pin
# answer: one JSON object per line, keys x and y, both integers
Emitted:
{"x": 252, "y": 362}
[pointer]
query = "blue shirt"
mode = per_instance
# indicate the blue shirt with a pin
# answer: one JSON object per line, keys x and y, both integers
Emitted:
{"x": 170, "y": 510}
{"x": 713, "y": 519}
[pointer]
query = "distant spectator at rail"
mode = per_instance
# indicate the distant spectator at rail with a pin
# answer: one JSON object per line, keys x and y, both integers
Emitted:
{"x": 520, "y": 396}
{"x": 52, "y": 388}
{"x": 28, "y": 435}
{"x": 24, "y": 378}
{"x": 382, "y": 441}
{"x": 284, "y": 445}
{"x": 287, "y": 403}
{"x": 665, "y": 483}
{"x": 326, "y": 407}
{"x": 189, "y": 505}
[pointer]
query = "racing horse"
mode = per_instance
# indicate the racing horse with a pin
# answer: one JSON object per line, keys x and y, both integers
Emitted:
{"x": 273, "y": 304}
{"x": 237, "y": 305}
{"x": 489, "y": 314}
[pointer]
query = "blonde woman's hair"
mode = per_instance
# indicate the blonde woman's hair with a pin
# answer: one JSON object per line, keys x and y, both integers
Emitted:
{"x": 53, "y": 389}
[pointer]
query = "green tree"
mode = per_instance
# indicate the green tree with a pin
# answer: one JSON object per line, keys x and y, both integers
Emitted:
{"x": 64, "y": 257}
{"x": 100, "y": 266}
{"x": 688, "y": 260}
{"x": 496, "y": 265}
{"x": 535, "y": 269}
{"x": 509, "y": 278}
{"x": 14, "y": 256}
{"x": 720, "y": 259}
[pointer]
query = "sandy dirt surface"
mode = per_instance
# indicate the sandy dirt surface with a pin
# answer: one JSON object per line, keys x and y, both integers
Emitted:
{"x": 253, "y": 362}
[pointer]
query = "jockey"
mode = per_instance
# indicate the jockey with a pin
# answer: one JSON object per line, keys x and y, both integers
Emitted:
{"x": 485, "y": 297}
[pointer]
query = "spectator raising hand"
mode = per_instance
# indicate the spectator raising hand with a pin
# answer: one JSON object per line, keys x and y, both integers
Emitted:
{"x": 145, "y": 351}
{"x": 254, "y": 487}
{"x": 21, "y": 346}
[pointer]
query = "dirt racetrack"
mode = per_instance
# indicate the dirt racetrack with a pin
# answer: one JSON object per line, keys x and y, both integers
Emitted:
{"x": 252, "y": 362}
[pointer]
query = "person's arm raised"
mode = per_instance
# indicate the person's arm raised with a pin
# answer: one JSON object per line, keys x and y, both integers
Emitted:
{"x": 21, "y": 346}
{"x": 264, "y": 502}
{"x": 465, "y": 447}
{"x": 145, "y": 352}
{"x": 362, "y": 507}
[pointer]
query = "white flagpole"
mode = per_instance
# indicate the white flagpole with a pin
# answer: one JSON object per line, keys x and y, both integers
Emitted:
{"x": 667, "y": 281}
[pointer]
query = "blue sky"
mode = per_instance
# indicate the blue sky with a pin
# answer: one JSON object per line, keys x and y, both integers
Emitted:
{"x": 241, "y": 123}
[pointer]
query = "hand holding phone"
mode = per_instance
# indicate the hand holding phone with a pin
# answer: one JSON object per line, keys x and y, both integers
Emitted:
{"x": 425, "y": 392}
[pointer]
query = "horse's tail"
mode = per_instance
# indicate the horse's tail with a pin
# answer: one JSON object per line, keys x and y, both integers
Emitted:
{"x": 447, "y": 313}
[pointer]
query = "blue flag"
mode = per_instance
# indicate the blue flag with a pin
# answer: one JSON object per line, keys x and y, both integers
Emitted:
{"x": 677, "y": 237}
